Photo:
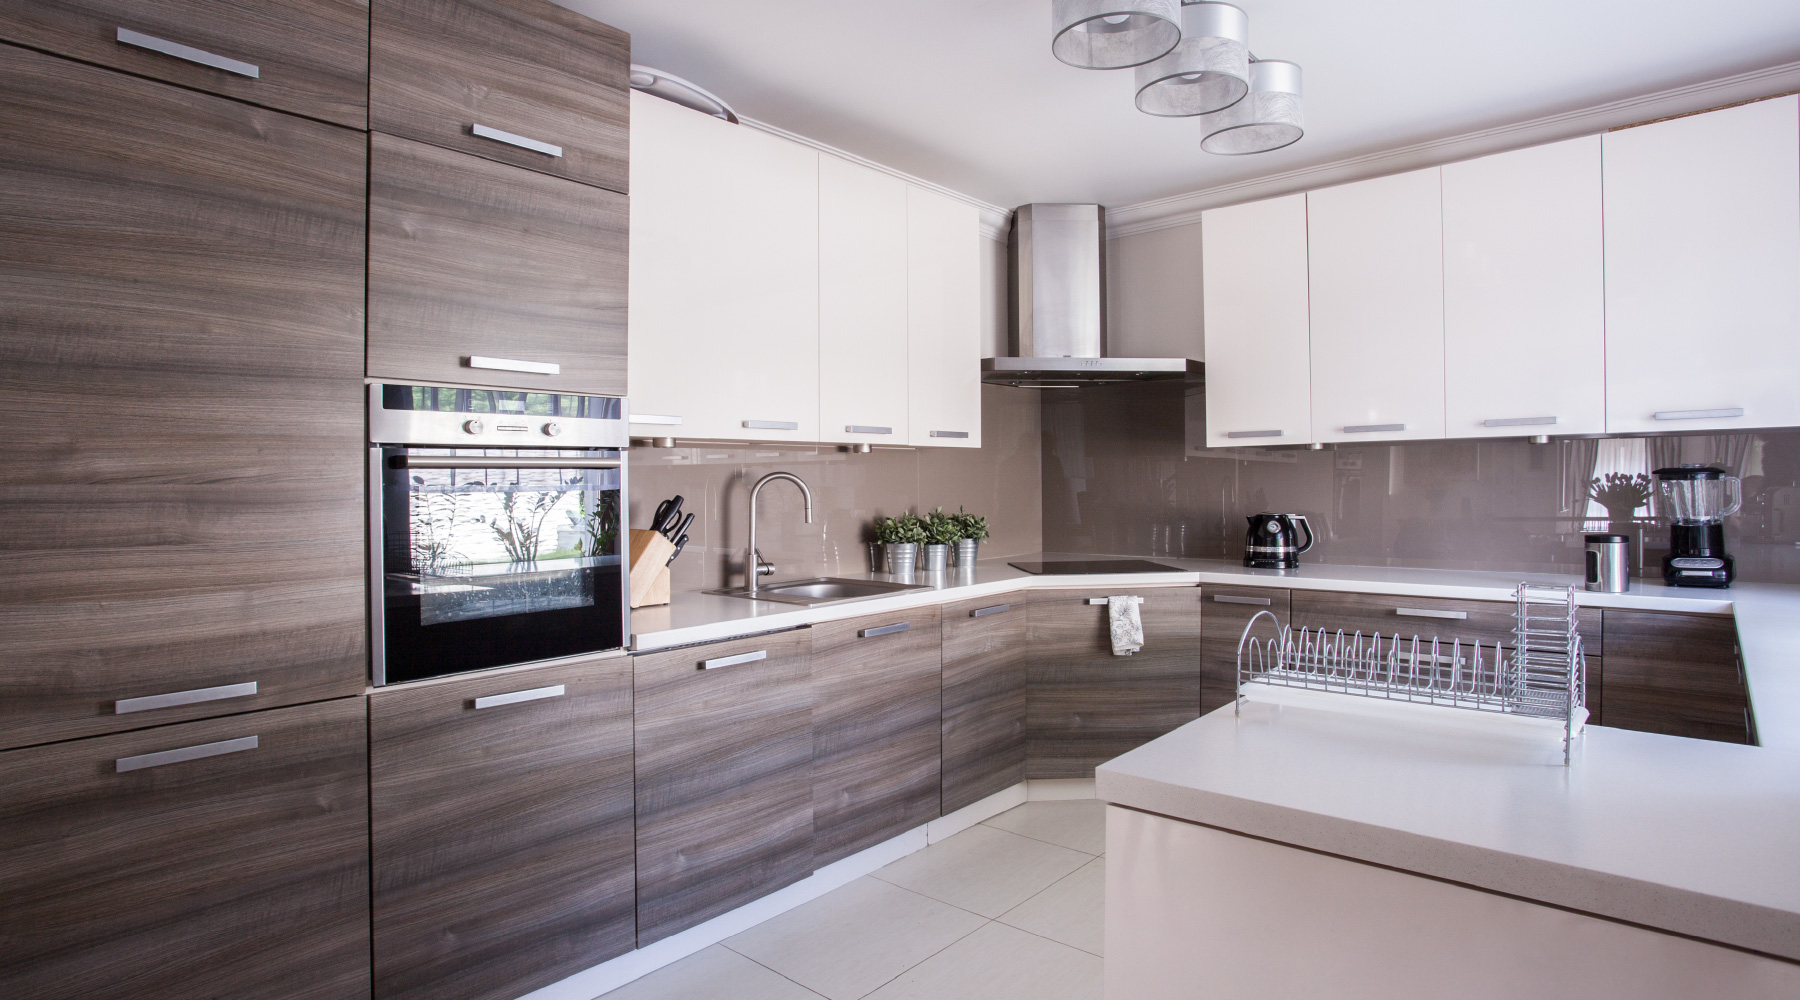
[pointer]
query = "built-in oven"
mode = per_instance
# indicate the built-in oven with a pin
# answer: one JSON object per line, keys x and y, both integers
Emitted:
{"x": 495, "y": 522}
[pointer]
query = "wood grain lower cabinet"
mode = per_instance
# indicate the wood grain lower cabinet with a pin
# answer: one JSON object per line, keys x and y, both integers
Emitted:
{"x": 724, "y": 777}
{"x": 984, "y": 698}
{"x": 877, "y": 710}
{"x": 180, "y": 379}
{"x": 501, "y": 830}
{"x": 1227, "y": 611}
{"x": 471, "y": 259}
{"x": 1441, "y": 618}
{"x": 220, "y": 858}
{"x": 1085, "y": 706}
{"x": 1675, "y": 674}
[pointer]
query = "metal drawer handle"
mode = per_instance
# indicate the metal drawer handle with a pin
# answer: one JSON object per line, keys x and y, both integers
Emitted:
{"x": 772, "y": 425}
{"x": 860, "y": 429}
{"x": 870, "y": 633}
{"x": 1373, "y": 428}
{"x": 516, "y": 140}
{"x": 499, "y": 462}
{"x": 655, "y": 418}
{"x": 1224, "y": 599}
{"x": 1108, "y": 600}
{"x": 514, "y": 697}
{"x": 1730, "y": 411}
{"x": 732, "y": 661}
{"x": 949, "y": 434}
{"x": 512, "y": 365}
{"x": 990, "y": 610}
{"x": 187, "y": 53}
{"x": 1428, "y": 613}
{"x": 1518, "y": 422}
{"x": 162, "y": 757}
{"x": 125, "y": 706}
{"x": 1252, "y": 434}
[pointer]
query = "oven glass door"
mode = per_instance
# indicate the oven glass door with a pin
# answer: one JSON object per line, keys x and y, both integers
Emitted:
{"x": 493, "y": 556}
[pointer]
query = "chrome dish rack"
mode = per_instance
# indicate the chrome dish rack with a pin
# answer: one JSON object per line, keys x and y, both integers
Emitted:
{"x": 1543, "y": 675}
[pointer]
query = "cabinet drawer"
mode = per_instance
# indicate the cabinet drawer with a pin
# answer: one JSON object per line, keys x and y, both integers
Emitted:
{"x": 1675, "y": 674}
{"x": 310, "y": 57}
{"x": 501, "y": 830}
{"x": 473, "y": 259}
{"x": 524, "y": 82}
{"x": 221, "y": 858}
{"x": 1426, "y": 617}
{"x": 984, "y": 698}
{"x": 724, "y": 777}
{"x": 1226, "y": 610}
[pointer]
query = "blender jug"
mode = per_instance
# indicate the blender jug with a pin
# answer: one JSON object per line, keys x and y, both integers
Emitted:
{"x": 1695, "y": 500}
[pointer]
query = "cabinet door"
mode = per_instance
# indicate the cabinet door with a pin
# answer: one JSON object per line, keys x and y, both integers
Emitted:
{"x": 877, "y": 718}
{"x": 1675, "y": 674}
{"x": 1442, "y": 618}
{"x": 220, "y": 858}
{"x": 1228, "y": 611}
{"x": 179, "y": 369}
{"x": 480, "y": 272}
{"x": 984, "y": 698}
{"x": 1525, "y": 293}
{"x": 1376, "y": 261}
{"x": 862, "y": 304}
{"x": 495, "y": 77}
{"x": 724, "y": 777}
{"x": 1703, "y": 271}
{"x": 724, "y": 278}
{"x": 310, "y": 57}
{"x": 943, "y": 320}
{"x": 501, "y": 830}
{"x": 1258, "y": 331}
{"x": 1085, "y": 706}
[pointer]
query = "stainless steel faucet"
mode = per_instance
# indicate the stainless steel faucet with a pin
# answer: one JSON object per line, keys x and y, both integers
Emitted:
{"x": 753, "y": 564}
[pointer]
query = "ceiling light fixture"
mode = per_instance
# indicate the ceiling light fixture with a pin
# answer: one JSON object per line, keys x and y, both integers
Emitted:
{"x": 1208, "y": 71}
{"x": 670, "y": 87}
{"x": 1268, "y": 119}
{"x": 1113, "y": 34}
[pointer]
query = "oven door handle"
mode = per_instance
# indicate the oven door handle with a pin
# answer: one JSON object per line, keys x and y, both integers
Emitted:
{"x": 494, "y": 462}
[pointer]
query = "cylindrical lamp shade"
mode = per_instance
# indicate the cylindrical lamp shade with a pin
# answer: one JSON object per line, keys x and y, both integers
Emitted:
{"x": 1113, "y": 34}
{"x": 1209, "y": 71}
{"x": 1267, "y": 118}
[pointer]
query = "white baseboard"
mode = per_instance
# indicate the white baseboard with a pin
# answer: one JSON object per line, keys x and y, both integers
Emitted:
{"x": 974, "y": 813}
{"x": 1058, "y": 789}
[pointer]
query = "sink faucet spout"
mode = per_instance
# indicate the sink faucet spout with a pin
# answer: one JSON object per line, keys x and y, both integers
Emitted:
{"x": 754, "y": 567}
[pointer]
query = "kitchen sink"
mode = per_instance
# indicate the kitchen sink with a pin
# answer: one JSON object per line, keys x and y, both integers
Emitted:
{"x": 821, "y": 590}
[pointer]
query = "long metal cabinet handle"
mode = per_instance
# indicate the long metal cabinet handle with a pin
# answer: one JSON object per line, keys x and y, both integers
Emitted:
{"x": 1252, "y": 434}
{"x": 176, "y": 756}
{"x": 1108, "y": 600}
{"x": 514, "y": 697}
{"x": 187, "y": 53}
{"x": 1730, "y": 411}
{"x": 1373, "y": 428}
{"x": 993, "y": 609}
{"x": 863, "y": 429}
{"x": 1428, "y": 613}
{"x": 193, "y": 696}
{"x": 499, "y": 462}
{"x": 1225, "y": 599}
{"x": 949, "y": 434}
{"x": 520, "y": 141}
{"x": 1518, "y": 422}
{"x": 870, "y": 633}
{"x": 732, "y": 661}
{"x": 772, "y": 425}
{"x": 513, "y": 365}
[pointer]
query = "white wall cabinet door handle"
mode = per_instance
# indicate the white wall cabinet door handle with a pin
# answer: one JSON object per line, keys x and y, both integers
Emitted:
{"x": 1253, "y": 434}
{"x": 1729, "y": 411}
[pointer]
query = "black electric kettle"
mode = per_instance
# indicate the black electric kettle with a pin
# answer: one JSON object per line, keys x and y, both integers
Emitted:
{"x": 1272, "y": 542}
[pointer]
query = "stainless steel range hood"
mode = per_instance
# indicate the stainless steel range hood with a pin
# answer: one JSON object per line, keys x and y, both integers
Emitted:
{"x": 1058, "y": 327}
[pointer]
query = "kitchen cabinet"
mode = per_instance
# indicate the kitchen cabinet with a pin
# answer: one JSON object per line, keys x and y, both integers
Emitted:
{"x": 523, "y": 82}
{"x": 1085, "y": 706}
{"x": 1703, "y": 271}
{"x": 309, "y": 57}
{"x": 501, "y": 829}
{"x": 943, "y": 320}
{"x": 877, "y": 706}
{"x": 724, "y": 788}
{"x": 724, "y": 328}
{"x": 487, "y": 273}
{"x": 1525, "y": 293}
{"x": 863, "y": 289}
{"x": 1376, "y": 288}
{"x": 219, "y": 858}
{"x": 983, "y": 698}
{"x": 1227, "y": 611}
{"x": 1256, "y": 322}
{"x": 1675, "y": 674}
{"x": 1443, "y": 618}
{"x": 180, "y": 345}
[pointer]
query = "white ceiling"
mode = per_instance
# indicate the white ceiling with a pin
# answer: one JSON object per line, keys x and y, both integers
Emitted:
{"x": 966, "y": 94}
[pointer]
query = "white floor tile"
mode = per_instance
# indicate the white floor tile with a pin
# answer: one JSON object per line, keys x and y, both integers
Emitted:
{"x": 984, "y": 870}
{"x": 1073, "y": 911}
{"x": 851, "y": 940}
{"x": 999, "y": 962}
{"x": 713, "y": 972}
{"x": 1078, "y": 824}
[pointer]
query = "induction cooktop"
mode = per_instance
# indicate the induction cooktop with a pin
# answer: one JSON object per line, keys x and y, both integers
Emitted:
{"x": 1073, "y": 567}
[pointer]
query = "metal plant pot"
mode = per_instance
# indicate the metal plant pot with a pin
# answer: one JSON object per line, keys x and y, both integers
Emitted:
{"x": 900, "y": 557}
{"x": 966, "y": 553}
{"x": 937, "y": 559}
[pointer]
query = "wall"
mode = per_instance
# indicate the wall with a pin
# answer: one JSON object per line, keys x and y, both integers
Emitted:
{"x": 1153, "y": 295}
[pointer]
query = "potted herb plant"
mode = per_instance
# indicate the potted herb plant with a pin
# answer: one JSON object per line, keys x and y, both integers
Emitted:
{"x": 941, "y": 531}
{"x": 972, "y": 530}
{"x": 900, "y": 538}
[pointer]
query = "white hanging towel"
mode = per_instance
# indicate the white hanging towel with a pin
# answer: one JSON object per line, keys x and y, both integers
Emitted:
{"x": 1127, "y": 626}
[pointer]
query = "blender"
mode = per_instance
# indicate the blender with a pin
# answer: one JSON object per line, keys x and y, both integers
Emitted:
{"x": 1695, "y": 500}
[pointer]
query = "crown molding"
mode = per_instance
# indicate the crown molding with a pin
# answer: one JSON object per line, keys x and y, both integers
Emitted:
{"x": 995, "y": 221}
{"x": 1185, "y": 209}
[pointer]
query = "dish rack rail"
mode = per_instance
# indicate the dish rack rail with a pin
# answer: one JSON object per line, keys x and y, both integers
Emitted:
{"x": 1542, "y": 676}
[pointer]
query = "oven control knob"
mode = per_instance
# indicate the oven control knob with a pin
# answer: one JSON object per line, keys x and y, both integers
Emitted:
{"x": 552, "y": 429}
{"x": 474, "y": 426}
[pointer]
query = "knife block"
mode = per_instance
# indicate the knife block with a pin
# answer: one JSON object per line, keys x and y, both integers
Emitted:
{"x": 649, "y": 571}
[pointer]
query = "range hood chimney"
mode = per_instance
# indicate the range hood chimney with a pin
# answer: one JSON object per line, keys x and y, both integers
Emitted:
{"x": 1057, "y": 334}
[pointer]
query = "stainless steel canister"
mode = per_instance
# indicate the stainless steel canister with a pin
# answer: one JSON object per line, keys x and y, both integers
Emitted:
{"x": 1608, "y": 563}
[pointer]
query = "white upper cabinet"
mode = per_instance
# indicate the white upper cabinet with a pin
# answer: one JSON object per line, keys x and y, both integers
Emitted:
{"x": 1258, "y": 380}
{"x": 1525, "y": 293}
{"x": 1377, "y": 290}
{"x": 943, "y": 320}
{"x": 863, "y": 362}
{"x": 1703, "y": 271}
{"x": 724, "y": 279}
